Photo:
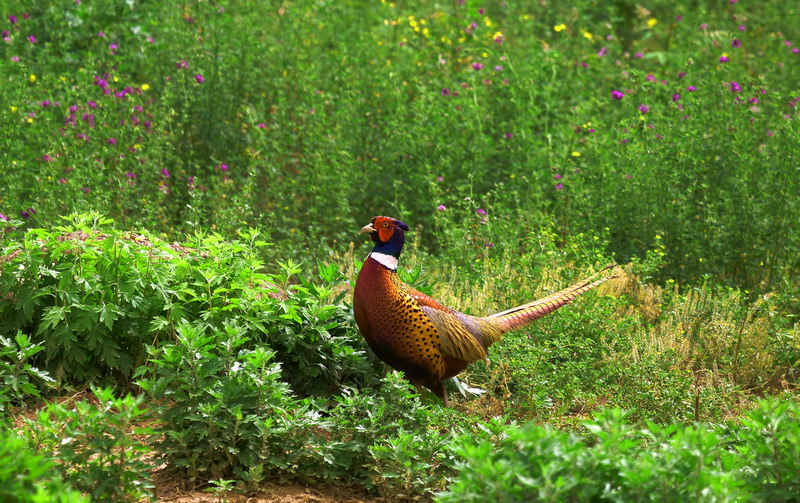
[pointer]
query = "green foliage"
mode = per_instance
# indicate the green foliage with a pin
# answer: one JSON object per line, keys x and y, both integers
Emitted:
{"x": 410, "y": 465}
{"x": 227, "y": 413}
{"x": 179, "y": 117}
{"x": 30, "y": 477}
{"x": 379, "y": 439}
{"x": 94, "y": 297}
{"x": 18, "y": 377}
{"x": 623, "y": 463}
{"x": 94, "y": 443}
{"x": 221, "y": 404}
{"x": 768, "y": 443}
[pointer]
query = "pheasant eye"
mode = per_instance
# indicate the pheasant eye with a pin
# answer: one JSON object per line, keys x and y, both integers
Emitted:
{"x": 386, "y": 224}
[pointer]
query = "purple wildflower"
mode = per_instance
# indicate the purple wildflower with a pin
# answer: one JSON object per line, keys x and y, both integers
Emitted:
{"x": 676, "y": 97}
{"x": 223, "y": 167}
{"x": 735, "y": 87}
{"x": 112, "y": 141}
{"x": 508, "y": 135}
{"x": 445, "y": 91}
{"x": 12, "y": 19}
{"x": 644, "y": 108}
{"x": 617, "y": 95}
{"x": 736, "y": 43}
{"x": 165, "y": 173}
{"x": 441, "y": 207}
{"x": 31, "y": 39}
{"x": 559, "y": 186}
{"x": 199, "y": 78}
{"x": 481, "y": 212}
{"x": 602, "y": 52}
{"x": 477, "y": 66}
{"x": 691, "y": 89}
{"x": 723, "y": 59}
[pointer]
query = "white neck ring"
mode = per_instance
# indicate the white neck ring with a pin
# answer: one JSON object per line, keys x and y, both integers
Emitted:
{"x": 385, "y": 260}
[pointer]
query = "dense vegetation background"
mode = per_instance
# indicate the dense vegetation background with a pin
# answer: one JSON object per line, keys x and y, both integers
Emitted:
{"x": 181, "y": 185}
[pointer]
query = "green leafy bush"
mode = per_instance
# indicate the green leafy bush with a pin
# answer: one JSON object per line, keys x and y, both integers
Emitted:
{"x": 94, "y": 443}
{"x": 222, "y": 405}
{"x": 94, "y": 297}
{"x": 620, "y": 462}
{"x": 30, "y": 477}
{"x": 18, "y": 377}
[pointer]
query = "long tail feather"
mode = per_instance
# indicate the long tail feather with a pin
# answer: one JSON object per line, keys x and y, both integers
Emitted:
{"x": 520, "y": 316}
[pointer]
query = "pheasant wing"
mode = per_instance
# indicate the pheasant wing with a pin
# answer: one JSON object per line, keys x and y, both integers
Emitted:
{"x": 456, "y": 337}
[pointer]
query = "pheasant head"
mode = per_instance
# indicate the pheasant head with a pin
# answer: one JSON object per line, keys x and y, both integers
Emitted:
{"x": 388, "y": 234}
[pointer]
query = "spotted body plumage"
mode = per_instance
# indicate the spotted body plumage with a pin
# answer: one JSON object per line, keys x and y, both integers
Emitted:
{"x": 416, "y": 334}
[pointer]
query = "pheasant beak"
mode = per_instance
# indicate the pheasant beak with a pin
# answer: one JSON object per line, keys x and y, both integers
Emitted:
{"x": 368, "y": 228}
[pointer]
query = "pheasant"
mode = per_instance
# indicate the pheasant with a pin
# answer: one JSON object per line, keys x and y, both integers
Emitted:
{"x": 419, "y": 336}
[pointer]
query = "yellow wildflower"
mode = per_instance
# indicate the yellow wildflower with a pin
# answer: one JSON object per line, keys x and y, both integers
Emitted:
{"x": 145, "y": 87}
{"x": 12, "y": 108}
{"x": 560, "y": 27}
{"x": 32, "y": 78}
{"x": 575, "y": 153}
{"x": 652, "y": 22}
{"x": 588, "y": 34}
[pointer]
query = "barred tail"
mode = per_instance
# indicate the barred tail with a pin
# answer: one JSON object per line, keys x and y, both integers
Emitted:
{"x": 520, "y": 316}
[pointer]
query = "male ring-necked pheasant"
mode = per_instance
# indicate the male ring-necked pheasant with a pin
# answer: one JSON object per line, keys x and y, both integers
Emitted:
{"x": 419, "y": 336}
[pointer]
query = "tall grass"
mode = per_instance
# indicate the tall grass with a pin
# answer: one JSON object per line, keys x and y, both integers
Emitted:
{"x": 309, "y": 120}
